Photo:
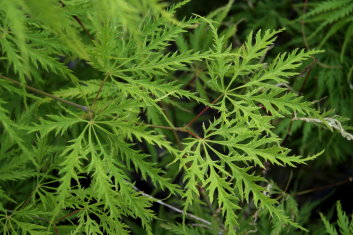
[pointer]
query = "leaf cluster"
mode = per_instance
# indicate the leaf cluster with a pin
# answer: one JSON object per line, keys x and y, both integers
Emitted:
{"x": 98, "y": 128}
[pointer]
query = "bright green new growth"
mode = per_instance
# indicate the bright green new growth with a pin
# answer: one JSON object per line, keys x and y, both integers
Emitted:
{"x": 129, "y": 74}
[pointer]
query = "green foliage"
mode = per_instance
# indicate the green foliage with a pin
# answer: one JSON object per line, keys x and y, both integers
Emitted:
{"x": 312, "y": 24}
{"x": 98, "y": 124}
{"x": 344, "y": 223}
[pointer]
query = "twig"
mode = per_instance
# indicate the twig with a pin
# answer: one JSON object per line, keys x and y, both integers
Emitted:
{"x": 83, "y": 27}
{"x": 332, "y": 122}
{"x": 284, "y": 192}
{"x": 327, "y": 66}
{"x": 202, "y": 112}
{"x": 173, "y": 208}
{"x": 191, "y": 81}
{"x": 82, "y": 107}
{"x": 348, "y": 180}
{"x": 79, "y": 22}
{"x": 62, "y": 218}
{"x": 191, "y": 133}
{"x": 175, "y": 134}
{"x": 68, "y": 215}
{"x": 100, "y": 89}
{"x": 180, "y": 129}
{"x": 289, "y": 181}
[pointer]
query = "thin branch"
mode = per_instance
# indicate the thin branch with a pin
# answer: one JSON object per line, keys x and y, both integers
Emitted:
{"x": 191, "y": 133}
{"x": 180, "y": 129}
{"x": 162, "y": 127}
{"x": 191, "y": 81}
{"x": 332, "y": 122}
{"x": 202, "y": 112}
{"x": 100, "y": 89}
{"x": 82, "y": 107}
{"x": 175, "y": 134}
{"x": 184, "y": 129}
{"x": 68, "y": 215}
{"x": 327, "y": 66}
{"x": 284, "y": 192}
{"x": 348, "y": 180}
{"x": 62, "y": 218}
{"x": 289, "y": 181}
{"x": 80, "y": 23}
{"x": 173, "y": 208}
{"x": 83, "y": 27}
